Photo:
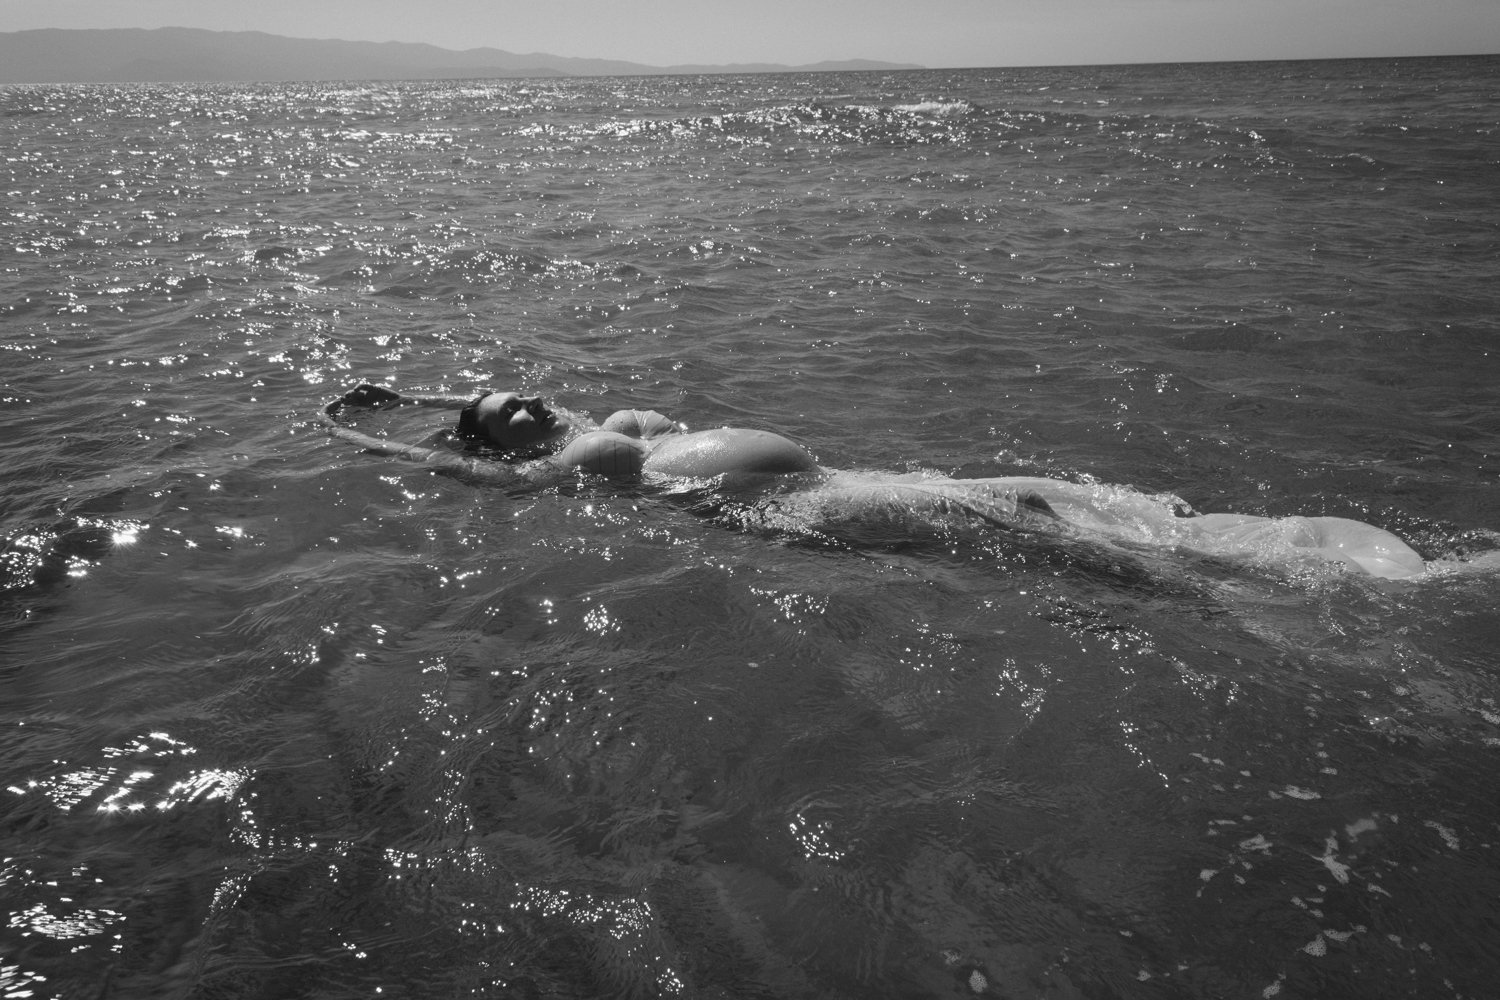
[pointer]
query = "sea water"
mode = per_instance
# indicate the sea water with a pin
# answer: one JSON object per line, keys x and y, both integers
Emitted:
{"x": 284, "y": 718}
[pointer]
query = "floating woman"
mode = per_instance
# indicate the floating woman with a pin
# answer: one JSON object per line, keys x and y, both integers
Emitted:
{"x": 503, "y": 435}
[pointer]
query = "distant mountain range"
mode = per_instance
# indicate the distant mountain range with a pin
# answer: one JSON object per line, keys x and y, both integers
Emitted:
{"x": 191, "y": 55}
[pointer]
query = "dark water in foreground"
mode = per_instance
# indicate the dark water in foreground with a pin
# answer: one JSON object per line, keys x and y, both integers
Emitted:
{"x": 281, "y": 719}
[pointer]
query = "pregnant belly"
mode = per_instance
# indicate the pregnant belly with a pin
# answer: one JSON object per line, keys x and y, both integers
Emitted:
{"x": 726, "y": 450}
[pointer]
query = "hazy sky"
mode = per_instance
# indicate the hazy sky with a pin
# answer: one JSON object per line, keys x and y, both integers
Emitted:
{"x": 930, "y": 32}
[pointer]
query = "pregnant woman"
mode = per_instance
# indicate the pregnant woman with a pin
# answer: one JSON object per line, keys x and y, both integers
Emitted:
{"x": 500, "y": 435}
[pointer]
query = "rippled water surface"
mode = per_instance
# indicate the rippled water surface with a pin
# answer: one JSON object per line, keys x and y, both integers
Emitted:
{"x": 286, "y": 719}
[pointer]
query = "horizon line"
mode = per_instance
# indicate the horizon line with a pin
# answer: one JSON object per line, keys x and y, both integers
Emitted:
{"x": 885, "y": 65}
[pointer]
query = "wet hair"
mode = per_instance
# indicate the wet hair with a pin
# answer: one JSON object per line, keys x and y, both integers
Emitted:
{"x": 468, "y": 420}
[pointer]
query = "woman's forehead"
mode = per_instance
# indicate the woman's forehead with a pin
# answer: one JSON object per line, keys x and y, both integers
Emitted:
{"x": 497, "y": 400}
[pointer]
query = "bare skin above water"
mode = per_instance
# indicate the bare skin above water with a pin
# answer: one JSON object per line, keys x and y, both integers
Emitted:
{"x": 533, "y": 438}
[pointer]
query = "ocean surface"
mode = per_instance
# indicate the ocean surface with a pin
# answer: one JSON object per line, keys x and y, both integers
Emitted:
{"x": 283, "y": 718}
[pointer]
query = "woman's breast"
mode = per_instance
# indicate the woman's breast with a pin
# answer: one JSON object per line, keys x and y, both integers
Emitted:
{"x": 726, "y": 450}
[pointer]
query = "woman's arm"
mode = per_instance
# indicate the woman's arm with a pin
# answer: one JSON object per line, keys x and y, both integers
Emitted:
{"x": 396, "y": 449}
{"x": 442, "y": 402}
{"x": 439, "y": 458}
{"x": 377, "y": 397}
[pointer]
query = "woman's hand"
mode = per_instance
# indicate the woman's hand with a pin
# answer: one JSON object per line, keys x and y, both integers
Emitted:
{"x": 372, "y": 396}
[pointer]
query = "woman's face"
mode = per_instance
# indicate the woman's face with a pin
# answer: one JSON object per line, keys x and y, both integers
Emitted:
{"x": 510, "y": 420}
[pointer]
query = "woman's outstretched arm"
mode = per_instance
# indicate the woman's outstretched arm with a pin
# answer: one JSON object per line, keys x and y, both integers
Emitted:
{"x": 385, "y": 446}
{"x": 375, "y": 397}
{"x": 438, "y": 458}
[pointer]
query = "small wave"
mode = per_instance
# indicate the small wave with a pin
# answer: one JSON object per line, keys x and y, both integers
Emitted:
{"x": 1357, "y": 165}
{"x": 936, "y": 108}
{"x": 423, "y": 270}
{"x": 491, "y": 261}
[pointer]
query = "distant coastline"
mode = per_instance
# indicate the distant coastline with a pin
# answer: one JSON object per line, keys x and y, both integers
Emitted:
{"x": 194, "y": 55}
